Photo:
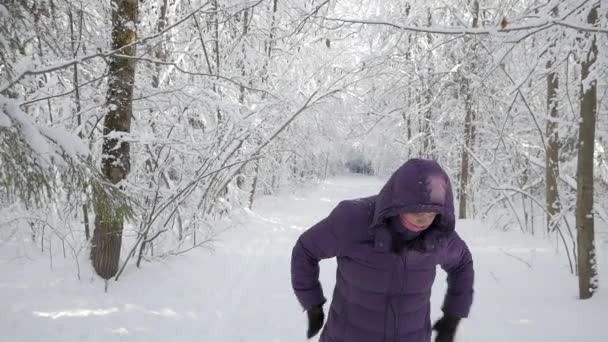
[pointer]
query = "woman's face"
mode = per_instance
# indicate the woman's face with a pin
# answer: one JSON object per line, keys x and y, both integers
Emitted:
{"x": 417, "y": 221}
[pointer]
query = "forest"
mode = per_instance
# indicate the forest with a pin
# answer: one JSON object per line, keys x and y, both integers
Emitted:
{"x": 134, "y": 131}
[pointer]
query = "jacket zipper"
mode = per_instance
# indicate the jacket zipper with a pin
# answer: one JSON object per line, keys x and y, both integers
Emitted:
{"x": 403, "y": 259}
{"x": 388, "y": 302}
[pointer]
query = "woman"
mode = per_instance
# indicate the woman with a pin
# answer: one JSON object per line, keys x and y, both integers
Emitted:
{"x": 387, "y": 249}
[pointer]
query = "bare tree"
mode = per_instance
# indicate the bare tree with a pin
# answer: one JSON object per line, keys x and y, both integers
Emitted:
{"x": 552, "y": 148}
{"x": 107, "y": 237}
{"x": 469, "y": 132}
{"x": 428, "y": 143}
{"x": 587, "y": 264}
{"x": 161, "y": 52}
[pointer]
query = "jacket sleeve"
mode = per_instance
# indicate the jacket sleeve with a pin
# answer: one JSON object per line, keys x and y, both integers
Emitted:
{"x": 321, "y": 241}
{"x": 458, "y": 263}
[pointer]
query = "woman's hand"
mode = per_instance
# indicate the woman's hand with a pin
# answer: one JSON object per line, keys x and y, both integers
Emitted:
{"x": 446, "y": 328}
{"x": 316, "y": 316}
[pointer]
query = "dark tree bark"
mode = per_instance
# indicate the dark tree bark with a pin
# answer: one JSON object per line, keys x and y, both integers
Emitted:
{"x": 469, "y": 133}
{"x": 587, "y": 272}
{"x": 552, "y": 151}
{"x": 107, "y": 237}
{"x": 553, "y": 146}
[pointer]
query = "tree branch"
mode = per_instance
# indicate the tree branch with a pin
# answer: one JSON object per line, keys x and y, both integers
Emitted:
{"x": 100, "y": 54}
{"x": 470, "y": 31}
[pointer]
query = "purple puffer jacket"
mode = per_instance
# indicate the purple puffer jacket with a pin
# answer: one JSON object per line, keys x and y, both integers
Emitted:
{"x": 380, "y": 295}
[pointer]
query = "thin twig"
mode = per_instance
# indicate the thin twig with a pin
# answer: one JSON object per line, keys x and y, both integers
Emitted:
{"x": 517, "y": 258}
{"x": 100, "y": 54}
{"x": 469, "y": 31}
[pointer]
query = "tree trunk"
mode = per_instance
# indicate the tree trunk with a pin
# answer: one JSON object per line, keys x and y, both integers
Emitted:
{"x": 160, "y": 53}
{"x": 272, "y": 27}
{"x": 428, "y": 96}
{"x": 587, "y": 272}
{"x": 244, "y": 52}
{"x": 216, "y": 37}
{"x": 269, "y": 45}
{"x": 469, "y": 133}
{"x": 254, "y": 185}
{"x": 107, "y": 237}
{"x": 78, "y": 109}
{"x": 552, "y": 148}
{"x": 552, "y": 151}
{"x": 465, "y": 164}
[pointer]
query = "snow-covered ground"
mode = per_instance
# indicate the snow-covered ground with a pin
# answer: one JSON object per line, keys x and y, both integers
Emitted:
{"x": 241, "y": 291}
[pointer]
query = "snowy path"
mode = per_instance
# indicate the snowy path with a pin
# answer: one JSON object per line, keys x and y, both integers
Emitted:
{"x": 241, "y": 292}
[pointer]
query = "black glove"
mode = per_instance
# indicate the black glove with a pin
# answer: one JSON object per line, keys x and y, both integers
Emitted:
{"x": 316, "y": 316}
{"x": 446, "y": 328}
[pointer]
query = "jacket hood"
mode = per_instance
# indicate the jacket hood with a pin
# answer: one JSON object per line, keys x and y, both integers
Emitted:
{"x": 419, "y": 185}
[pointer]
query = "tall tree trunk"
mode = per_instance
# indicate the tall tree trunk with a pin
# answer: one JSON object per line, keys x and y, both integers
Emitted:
{"x": 244, "y": 52}
{"x": 216, "y": 37}
{"x": 407, "y": 116}
{"x": 269, "y": 45}
{"x": 254, "y": 184}
{"x": 273, "y": 28}
{"x": 428, "y": 96}
{"x": 587, "y": 271}
{"x": 216, "y": 27}
{"x": 75, "y": 38}
{"x": 468, "y": 144}
{"x": 265, "y": 77}
{"x": 469, "y": 132}
{"x": 552, "y": 150}
{"x": 160, "y": 53}
{"x": 107, "y": 237}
